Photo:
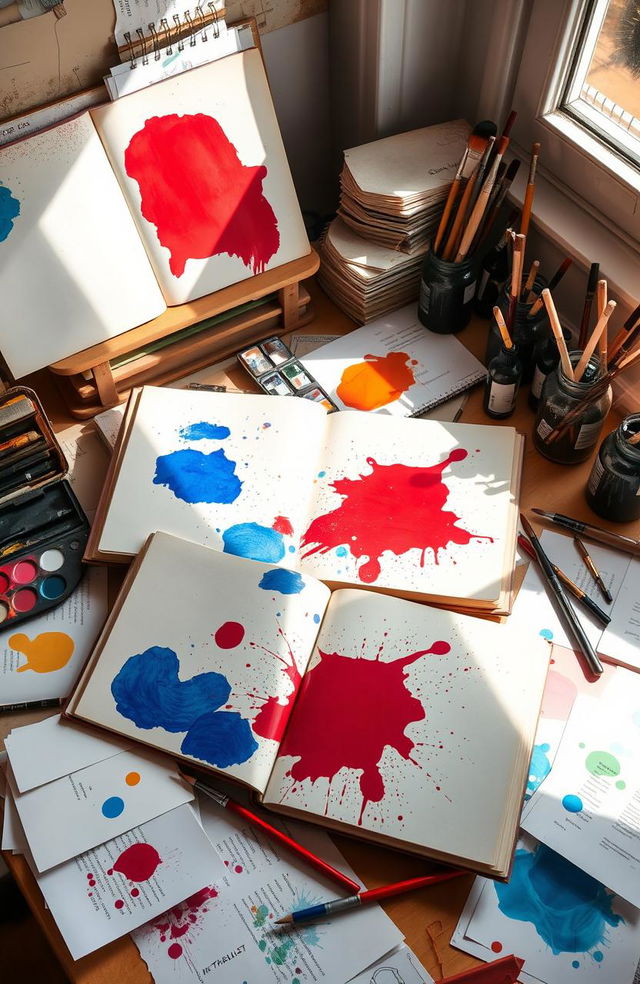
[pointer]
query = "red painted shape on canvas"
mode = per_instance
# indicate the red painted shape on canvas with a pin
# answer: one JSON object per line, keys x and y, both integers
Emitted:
{"x": 201, "y": 198}
{"x": 283, "y": 525}
{"x": 229, "y": 635}
{"x": 339, "y": 730}
{"x": 138, "y": 863}
{"x": 271, "y": 719}
{"x": 395, "y": 508}
{"x": 178, "y": 921}
{"x": 377, "y": 381}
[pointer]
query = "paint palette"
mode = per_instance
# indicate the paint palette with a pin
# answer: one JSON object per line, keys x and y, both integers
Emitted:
{"x": 43, "y": 530}
{"x": 276, "y": 370}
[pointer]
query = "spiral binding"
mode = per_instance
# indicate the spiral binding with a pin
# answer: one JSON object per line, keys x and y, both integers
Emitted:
{"x": 194, "y": 27}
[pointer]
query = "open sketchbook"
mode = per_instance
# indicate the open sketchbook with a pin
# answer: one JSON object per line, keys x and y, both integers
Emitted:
{"x": 166, "y": 195}
{"x": 374, "y": 715}
{"x": 422, "y": 508}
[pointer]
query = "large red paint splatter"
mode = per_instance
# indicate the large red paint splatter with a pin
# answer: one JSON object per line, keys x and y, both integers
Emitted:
{"x": 272, "y": 717}
{"x": 183, "y": 919}
{"x": 201, "y": 198}
{"x": 395, "y": 508}
{"x": 229, "y": 635}
{"x": 353, "y": 710}
{"x": 138, "y": 863}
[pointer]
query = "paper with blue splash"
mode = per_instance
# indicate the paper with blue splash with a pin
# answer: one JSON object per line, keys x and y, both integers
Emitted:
{"x": 564, "y": 924}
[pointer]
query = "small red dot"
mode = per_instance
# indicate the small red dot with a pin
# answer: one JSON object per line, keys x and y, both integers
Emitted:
{"x": 135, "y": 892}
{"x": 175, "y": 951}
{"x": 89, "y": 876}
{"x": 90, "y": 894}
{"x": 119, "y": 904}
{"x": 92, "y": 883}
{"x": 238, "y": 868}
{"x": 496, "y": 947}
{"x": 110, "y": 871}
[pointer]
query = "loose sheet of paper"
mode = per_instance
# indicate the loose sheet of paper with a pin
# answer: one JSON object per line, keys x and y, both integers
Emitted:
{"x": 399, "y": 965}
{"x": 621, "y": 639}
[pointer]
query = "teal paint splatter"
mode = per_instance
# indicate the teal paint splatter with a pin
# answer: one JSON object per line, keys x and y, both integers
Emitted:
{"x": 282, "y": 580}
{"x": 571, "y": 803}
{"x": 569, "y": 909}
{"x": 546, "y": 634}
{"x": 9, "y": 210}
{"x": 260, "y": 916}
{"x": 203, "y": 431}
{"x": 539, "y": 768}
{"x": 254, "y": 542}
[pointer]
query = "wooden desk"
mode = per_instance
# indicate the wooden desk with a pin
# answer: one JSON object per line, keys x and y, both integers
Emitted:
{"x": 427, "y": 918}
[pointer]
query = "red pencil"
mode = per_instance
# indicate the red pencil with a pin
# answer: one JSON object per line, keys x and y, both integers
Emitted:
{"x": 326, "y": 909}
{"x": 312, "y": 859}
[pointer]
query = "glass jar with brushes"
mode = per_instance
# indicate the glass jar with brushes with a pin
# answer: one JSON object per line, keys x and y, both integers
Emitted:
{"x": 446, "y": 294}
{"x": 572, "y": 412}
{"x": 613, "y": 489}
{"x": 530, "y": 324}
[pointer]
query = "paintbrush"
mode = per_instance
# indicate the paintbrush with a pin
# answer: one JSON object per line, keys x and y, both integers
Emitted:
{"x": 593, "y": 570}
{"x": 623, "y": 335}
{"x": 553, "y": 283}
{"x": 577, "y": 592}
{"x": 502, "y": 328}
{"x": 601, "y": 303}
{"x": 516, "y": 279}
{"x": 530, "y": 190}
{"x": 478, "y": 146}
{"x": 529, "y": 294}
{"x": 481, "y": 203}
{"x": 495, "y": 203}
{"x": 600, "y": 327}
{"x": 554, "y": 320}
{"x": 470, "y": 158}
{"x": 588, "y": 300}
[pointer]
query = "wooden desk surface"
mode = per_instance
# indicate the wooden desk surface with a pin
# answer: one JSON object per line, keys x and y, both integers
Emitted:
{"x": 427, "y": 918}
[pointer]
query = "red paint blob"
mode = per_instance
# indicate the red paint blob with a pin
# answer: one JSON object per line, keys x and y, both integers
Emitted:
{"x": 178, "y": 921}
{"x": 175, "y": 951}
{"x": 238, "y": 868}
{"x": 138, "y": 862}
{"x": 201, "y": 198}
{"x": 110, "y": 871}
{"x": 340, "y": 731}
{"x": 119, "y": 904}
{"x": 135, "y": 892}
{"x": 379, "y": 512}
{"x": 282, "y": 525}
{"x": 272, "y": 717}
{"x": 496, "y": 947}
{"x": 229, "y": 635}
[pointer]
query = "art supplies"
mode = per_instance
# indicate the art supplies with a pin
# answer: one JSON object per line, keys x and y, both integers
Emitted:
{"x": 586, "y": 807}
{"x": 588, "y": 301}
{"x": 392, "y": 366}
{"x": 613, "y": 489}
{"x": 591, "y": 532}
{"x": 173, "y": 21}
{"x": 571, "y": 619}
{"x": 280, "y": 655}
{"x": 504, "y": 373}
{"x": 276, "y": 370}
{"x": 282, "y": 481}
{"x": 127, "y": 255}
{"x": 43, "y": 530}
{"x": 620, "y": 642}
{"x": 593, "y": 570}
{"x": 601, "y": 616}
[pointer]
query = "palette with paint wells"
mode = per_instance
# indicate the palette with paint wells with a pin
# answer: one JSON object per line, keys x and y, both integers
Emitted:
{"x": 278, "y": 372}
{"x": 43, "y": 530}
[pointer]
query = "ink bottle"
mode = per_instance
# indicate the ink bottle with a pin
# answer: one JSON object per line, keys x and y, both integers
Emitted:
{"x": 446, "y": 294}
{"x": 493, "y": 276}
{"x": 545, "y": 359}
{"x": 525, "y": 330}
{"x": 613, "y": 489}
{"x": 559, "y": 396}
{"x": 501, "y": 385}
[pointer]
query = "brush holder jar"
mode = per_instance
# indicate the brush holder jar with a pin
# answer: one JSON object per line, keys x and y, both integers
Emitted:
{"x": 560, "y": 395}
{"x": 446, "y": 294}
{"x": 613, "y": 489}
{"x": 526, "y": 331}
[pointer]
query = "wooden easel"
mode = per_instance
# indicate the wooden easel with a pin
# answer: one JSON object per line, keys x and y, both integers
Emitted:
{"x": 102, "y": 376}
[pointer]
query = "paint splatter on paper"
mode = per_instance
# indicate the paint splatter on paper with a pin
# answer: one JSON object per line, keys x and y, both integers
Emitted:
{"x": 49, "y": 651}
{"x": 271, "y": 719}
{"x": 9, "y": 210}
{"x": 378, "y": 514}
{"x": 340, "y": 731}
{"x": 254, "y": 542}
{"x": 204, "y": 431}
{"x": 281, "y": 580}
{"x": 194, "y": 189}
{"x": 196, "y": 477}
{"x": 138, "y": 863}
{"x": 539, "y": 768}
{"x": 377, "y": 381}
{"x": 184, "y": 920}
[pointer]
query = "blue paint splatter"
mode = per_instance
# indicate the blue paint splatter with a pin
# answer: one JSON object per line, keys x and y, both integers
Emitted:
{"x": 148, "y": 691}
{"x": 112, "y": 807}
{"x": 204, "y": 431}
{"x": 254, "y": 541}
{"x": 316, "y": 619}
{"x": 598, "y": 956}
{"x": 282, "y": 580}
{"x": 341, "y": 551}
{"x": 292, "y": 549}
{"x": 546, "y": 634}
{"x": 571, "y": 803}
{"x": 539, "y": 768}
{"x": 569, "y": 909}
{"x": 321, "y": 474}
{"x": 9, "y": 210}
{"x": 575, "y": 964}
{"x": 196, "y": 477}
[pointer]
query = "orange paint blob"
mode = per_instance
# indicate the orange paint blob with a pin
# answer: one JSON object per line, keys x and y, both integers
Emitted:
{"x": 49, "y": 651}
{"x": 132, "y": 778}
{"x": 377, "y": 381}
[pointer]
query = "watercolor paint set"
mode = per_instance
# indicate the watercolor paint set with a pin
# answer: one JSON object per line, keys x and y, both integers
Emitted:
{"x": 43, "y": 530}
{"x": 278, "y": 372}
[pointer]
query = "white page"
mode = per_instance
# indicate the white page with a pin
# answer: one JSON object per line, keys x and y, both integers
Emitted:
{"x": 49, "y": 749}
{"x": 587, "y": 807}
{"x": 205, "y": 657}
{"x": 105, "y": 893}
{"x": 230, "y": 210}
{"x": 73, "y": 271}
{"x": 393, "y": 365}
{"x": 561, "y": 922}
{"x": 534, "y": 608}
{"x": 621, "y": 639}
{"x": 260, "y": 470}
{"x": 97, "y": 803}
{"x": 399, "y": 965}
{"x": 13, "y": 838}
{"x": 417, "y": 701}
{"x": 42, "y": 659}
{"x": 263, "y": 882}
{"x": 413, "y": 505}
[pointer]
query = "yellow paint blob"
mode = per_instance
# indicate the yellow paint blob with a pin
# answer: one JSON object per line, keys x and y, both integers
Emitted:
{"x": 132, "y": 778}
{"x": 49, "y": 651}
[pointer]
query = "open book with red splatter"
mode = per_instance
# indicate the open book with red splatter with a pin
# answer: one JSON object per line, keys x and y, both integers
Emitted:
{"x": 161, "y": 197}
{"x": 380, "y": 717}
{"x": 421, "y": 508}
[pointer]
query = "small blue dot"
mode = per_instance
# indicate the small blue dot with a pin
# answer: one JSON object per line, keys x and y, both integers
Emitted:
{"x": 112, "y": 807}
{"x": 571, "y": 803}
{"x": 321, "y": 474}
{"x": 316, "y": 619}
{"x": 546, "y": 633}
{"x": 341, "y": 551}
{"x": 575, "y": 963}
{"x": 598, "y": 955}
{"x": 292, "y": 549}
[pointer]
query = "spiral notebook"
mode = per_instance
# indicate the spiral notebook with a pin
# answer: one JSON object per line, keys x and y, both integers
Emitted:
{"x": 393, "y": 365}
{"x": 145, "y": 26}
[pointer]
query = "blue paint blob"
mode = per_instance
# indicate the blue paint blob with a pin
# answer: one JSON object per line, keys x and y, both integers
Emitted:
{"x": 292, "y": 549}
{"x": 575, "y": 964}
{"x": 341, "y": 551}
{"x": 204, "y": 431}
{"x": 316, "y": 619}
{"x": 254, "y": 542}
{"x": 321, "y": 474}
{"x": 112, "y": 807}
{"x": 221, "y": 739}
{"x": 148, "y": 692}
{"x": 284, "y": 581}
{"x": 571, "y": 803}
{"x": 9, "y": 210}
{"x": 539, "y": 768}
{"x": 196, "y": 477}
{"x": 546, "y": 633}
{"x": 569, "y": 909}
{"x": 598, "y": 956}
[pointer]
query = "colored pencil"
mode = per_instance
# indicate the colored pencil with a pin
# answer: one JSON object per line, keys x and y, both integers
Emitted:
{"x": 553, "y": 283}
{"x": 571, "y": 586}
{"x": 593, "y": 570}
{"x": 312, "y": 859}
{"x": 552, "y": 581}
{"x": 325, "y": 909}
{"x": 594, "y": 339}
{"x": 530, "y": 190}
{"x": 616, "y": 540}
{"x": 547, "y": 300}
{"x": 588, "y": 301}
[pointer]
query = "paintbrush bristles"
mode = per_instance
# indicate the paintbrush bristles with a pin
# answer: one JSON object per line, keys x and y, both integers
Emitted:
{"x": 554, "y": 320}
{"x": 502, "y": 328}
{"x": 594, "y": 339}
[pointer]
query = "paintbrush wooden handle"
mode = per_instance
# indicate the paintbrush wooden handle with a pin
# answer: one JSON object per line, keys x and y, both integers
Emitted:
{"x": 594, "y": 339}
{"x": 554, "y": 320}
{"x": 459, "y": 219}
{"x": 451, "y": 197}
